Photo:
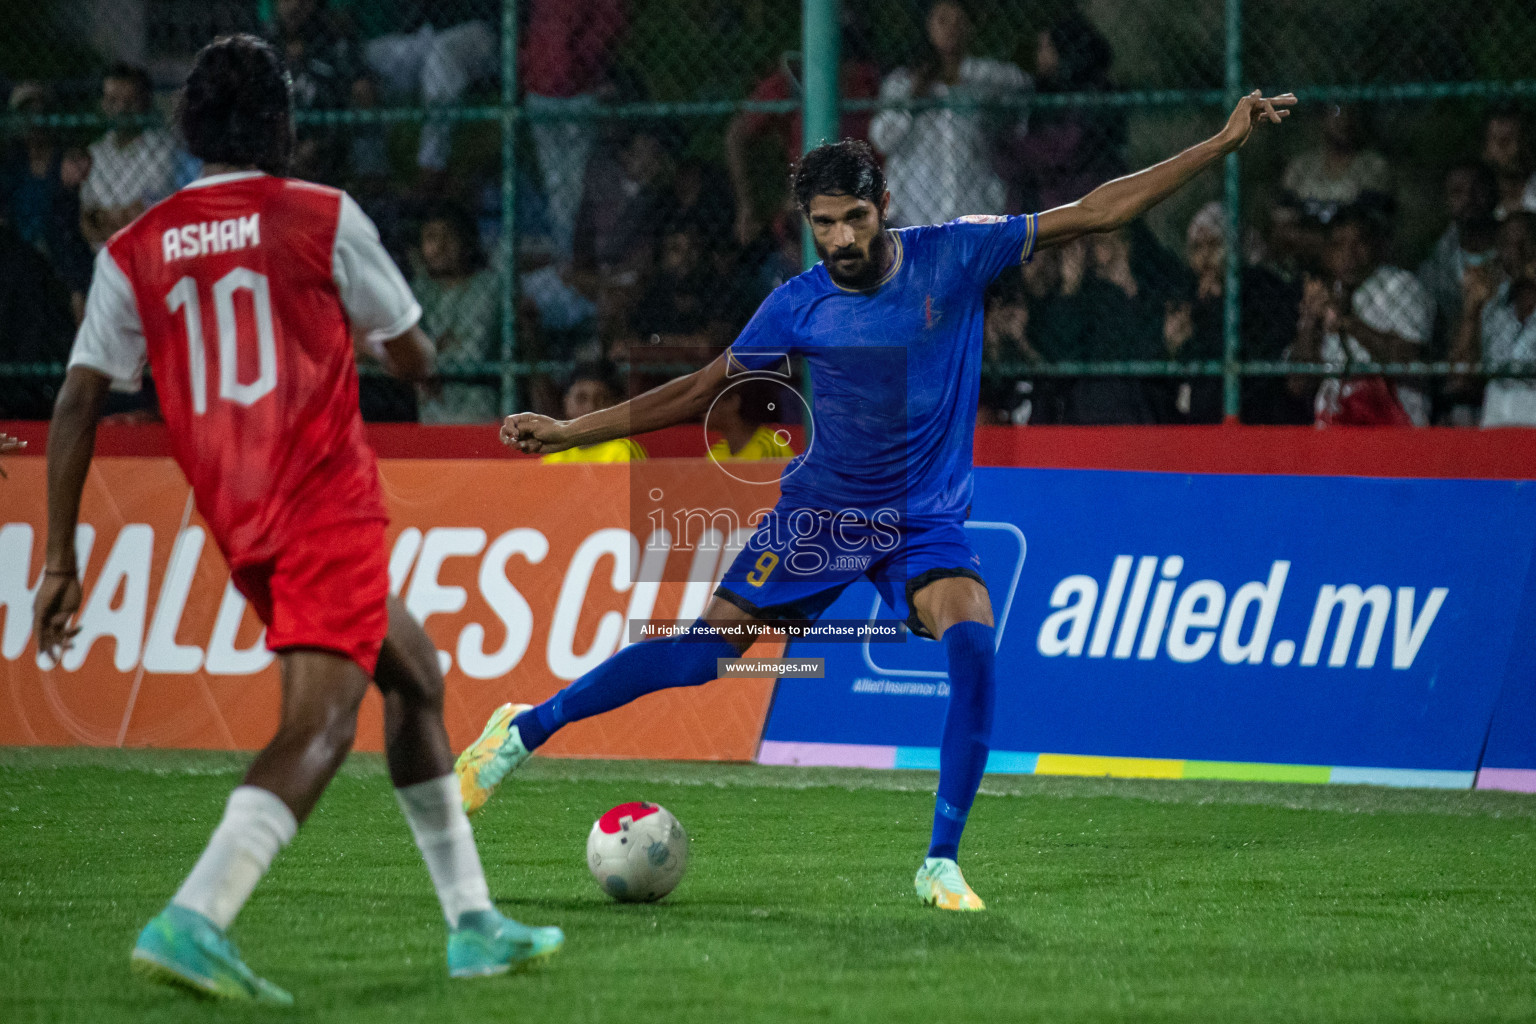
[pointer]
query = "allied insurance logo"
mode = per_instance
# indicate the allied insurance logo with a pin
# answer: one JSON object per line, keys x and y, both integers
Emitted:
{"x": 1143, "y": 610}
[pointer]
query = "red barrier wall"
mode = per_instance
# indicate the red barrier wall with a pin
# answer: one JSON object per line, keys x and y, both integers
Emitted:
{"x": 455, "y": 479}
{"x": 513, "y": 567}
{"x": 1505, "y": 454}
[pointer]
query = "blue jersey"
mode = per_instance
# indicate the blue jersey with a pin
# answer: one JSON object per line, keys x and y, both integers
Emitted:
{"x": 895, "y": 369}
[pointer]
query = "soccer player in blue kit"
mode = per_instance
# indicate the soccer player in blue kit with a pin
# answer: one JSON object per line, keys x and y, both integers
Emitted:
{"x": 889, "y": 324}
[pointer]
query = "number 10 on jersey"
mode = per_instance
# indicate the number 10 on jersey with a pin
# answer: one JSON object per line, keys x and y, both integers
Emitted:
{"x": 183, "y": 298}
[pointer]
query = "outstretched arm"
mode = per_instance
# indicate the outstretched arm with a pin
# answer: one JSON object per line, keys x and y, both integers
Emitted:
{"x": 71, "y": 440}
{"x": 1116, "y": 203}
{"x": 677, "y": 401}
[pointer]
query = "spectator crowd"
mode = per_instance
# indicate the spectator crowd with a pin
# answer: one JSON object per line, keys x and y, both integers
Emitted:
{"x": 650, "y": 242}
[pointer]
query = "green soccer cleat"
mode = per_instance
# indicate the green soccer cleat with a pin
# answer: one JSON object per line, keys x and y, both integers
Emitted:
{"x": 486, "y": 943}
{"x": 490, "y": 758}
{"x": 940, "y": 884}
{"x": 182, "y": 947}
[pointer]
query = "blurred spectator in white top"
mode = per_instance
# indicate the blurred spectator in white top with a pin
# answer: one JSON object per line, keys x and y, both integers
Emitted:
{"x": 1471, "y": 189}
{"x": 436, "y": 52}
{"x": 1342, "y": 171}
{"x": 1362, "y": 311}
{"x": 132, "y": 168}
{"x": 459, "y": 304}
{"x": 939, "y": 162}
{"x": 1507, "y": 149}
{"x": 1498, "y": 324}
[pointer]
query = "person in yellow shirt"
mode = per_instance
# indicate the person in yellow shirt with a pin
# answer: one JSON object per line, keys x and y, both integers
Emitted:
{"x": 741, "y": 416}
{"x": 594, "y": 386}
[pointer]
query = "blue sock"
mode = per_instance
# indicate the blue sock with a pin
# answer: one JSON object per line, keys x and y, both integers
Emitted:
{"x": 967, "y": 731}
{"x": 639, "y": 669}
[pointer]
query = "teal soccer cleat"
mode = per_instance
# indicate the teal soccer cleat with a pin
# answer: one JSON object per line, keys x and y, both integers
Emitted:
{"x": 182, "y": 947}
{"x": 487, "y": 943}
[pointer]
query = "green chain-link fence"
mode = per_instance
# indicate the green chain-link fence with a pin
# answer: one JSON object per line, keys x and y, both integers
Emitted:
{"x": 575, "y": 180}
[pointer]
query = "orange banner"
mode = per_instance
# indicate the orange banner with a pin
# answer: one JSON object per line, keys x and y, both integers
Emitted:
{"x": 525, "y": 576}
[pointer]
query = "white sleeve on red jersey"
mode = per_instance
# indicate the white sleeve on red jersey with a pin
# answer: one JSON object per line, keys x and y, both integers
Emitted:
{"x": 111, "y": 337}
{"x": 378, "y": 302}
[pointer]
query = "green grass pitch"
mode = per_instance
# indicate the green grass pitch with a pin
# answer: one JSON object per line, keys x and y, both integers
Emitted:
{"x": 1109, "y": 900}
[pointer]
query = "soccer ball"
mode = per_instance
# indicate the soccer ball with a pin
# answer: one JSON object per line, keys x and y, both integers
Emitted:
{"x": 637, "y": 852}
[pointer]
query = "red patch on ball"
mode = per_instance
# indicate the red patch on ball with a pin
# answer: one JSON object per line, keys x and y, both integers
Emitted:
{"x": 634, "y": 811}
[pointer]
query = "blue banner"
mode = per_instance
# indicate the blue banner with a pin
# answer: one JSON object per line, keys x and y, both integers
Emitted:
{"x": 1366, "y": 626}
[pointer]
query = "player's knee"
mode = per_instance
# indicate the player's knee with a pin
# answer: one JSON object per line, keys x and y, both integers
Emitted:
{"x": 322, "y": 743}
{"x": 340, "y": 735}
{"x": 408, "y": 666}
{"x": 324, "y": 728}
{"x": 336, "y": 734}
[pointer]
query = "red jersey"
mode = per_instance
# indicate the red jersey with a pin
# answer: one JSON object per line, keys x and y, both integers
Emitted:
{"x": 242, "y": 292}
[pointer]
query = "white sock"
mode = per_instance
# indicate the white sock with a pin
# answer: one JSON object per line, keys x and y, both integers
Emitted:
{"x": 436, "y": 815}
{"x": 255, "y": 827}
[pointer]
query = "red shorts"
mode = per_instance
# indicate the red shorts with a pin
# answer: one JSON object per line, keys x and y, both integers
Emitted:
{"x": 327, "y": 589}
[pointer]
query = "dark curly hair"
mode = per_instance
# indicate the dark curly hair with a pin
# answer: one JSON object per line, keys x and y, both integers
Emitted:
{"x": 237, "y": 105}
{"x": 846, "y": 168}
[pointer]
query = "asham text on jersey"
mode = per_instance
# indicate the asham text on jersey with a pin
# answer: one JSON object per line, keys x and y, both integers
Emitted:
{"x": 211, "y": 236}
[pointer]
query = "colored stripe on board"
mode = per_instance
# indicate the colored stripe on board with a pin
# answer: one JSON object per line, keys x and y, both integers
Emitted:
{"x": 1515, "y": 780}
{"x": 999, "y": 762}
{"x": 1113, "y": 767}
{"x": 1245, "y": 771}
{"x": 826, "y": 755}
{"x": 921, "y": 758}
{"x": 1011, "y": 762}
{"x": 1414, "y": 778}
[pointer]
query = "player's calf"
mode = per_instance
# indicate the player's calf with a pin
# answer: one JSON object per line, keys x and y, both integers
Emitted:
{"x": 415, "y": 742}
{"x": 321, "y": 695}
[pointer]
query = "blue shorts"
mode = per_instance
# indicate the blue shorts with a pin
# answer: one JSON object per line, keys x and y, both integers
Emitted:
{"x": 800, "y": 560}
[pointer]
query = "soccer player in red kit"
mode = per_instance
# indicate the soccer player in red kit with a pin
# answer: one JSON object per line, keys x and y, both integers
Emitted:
{"x": 244, "y": 292}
